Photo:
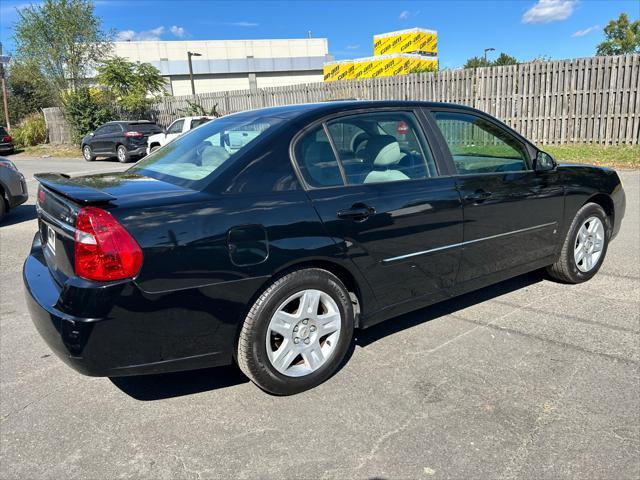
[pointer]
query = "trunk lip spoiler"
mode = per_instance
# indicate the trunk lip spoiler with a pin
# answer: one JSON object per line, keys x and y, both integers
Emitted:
{"x": 64, "y": 185}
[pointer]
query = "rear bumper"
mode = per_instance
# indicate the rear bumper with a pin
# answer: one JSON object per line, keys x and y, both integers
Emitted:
{"x": 6, "y": 148}
{"x": 619, "y": 207}
{"x": 121, "y": 330}
{"x": 136, "y": 151}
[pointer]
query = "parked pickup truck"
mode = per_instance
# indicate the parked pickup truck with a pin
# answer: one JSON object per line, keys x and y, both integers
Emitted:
{"x": 177, "y": 128}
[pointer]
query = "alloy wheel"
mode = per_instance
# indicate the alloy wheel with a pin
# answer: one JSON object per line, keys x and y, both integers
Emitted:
{"x": 589, "y": 244}
{"x": 303, "y": 333}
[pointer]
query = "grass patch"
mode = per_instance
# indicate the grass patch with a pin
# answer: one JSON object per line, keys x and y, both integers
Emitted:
{"x": 617, "y": 156}
{"x": 49, "y": 150}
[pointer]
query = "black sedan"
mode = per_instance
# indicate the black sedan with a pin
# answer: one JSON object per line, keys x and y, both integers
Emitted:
{"x": 125, "y": 140}
{"x": 266, "y": 237}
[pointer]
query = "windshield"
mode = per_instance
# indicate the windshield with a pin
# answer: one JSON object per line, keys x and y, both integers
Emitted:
{"x": 199, "y": 153}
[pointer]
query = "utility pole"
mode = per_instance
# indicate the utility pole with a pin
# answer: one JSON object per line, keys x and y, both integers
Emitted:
{"x": 3, "y": 60}
{"x": 189, "y": 55}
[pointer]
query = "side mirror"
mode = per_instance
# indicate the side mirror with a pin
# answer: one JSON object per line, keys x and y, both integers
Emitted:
{"x": 544, "y": 162}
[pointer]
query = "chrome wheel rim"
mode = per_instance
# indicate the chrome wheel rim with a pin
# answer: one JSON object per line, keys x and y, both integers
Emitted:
{"x": 87, "y": 153}
{"x": 589, "y": 244}
{"x": 121, "y": 154}
{"x": 303, "y": 333}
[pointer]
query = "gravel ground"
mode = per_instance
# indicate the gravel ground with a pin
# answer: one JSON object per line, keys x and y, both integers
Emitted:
{"x": 524, "y": 379}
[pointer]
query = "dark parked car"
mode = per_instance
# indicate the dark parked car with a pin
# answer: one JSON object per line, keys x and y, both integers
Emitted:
{"x": 123, "y": 140}
{"x": 328, "y": 217}
{"x": 6, "y": 142}
{"x": 13, "y": 187}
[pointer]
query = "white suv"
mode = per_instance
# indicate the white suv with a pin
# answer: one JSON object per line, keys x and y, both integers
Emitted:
{"x": 177, "y": 128}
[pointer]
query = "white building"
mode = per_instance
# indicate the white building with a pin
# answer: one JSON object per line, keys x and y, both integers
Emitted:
{"x": 231, "y": 64}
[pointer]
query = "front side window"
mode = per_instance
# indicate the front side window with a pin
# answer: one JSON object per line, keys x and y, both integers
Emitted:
{"x": 479, "y": 146}
{"x": 176, "y": 127}
{"x": 381, "y": 147}
{"x": 198, "y": 153}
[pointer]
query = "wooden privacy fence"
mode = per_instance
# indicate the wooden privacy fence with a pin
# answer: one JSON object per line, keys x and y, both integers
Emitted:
{"x": 586, "y": 100}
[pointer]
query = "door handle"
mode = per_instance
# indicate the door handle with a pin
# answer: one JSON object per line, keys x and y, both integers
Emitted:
{"x": 478, "y": 197}
{"x": 357, "y": 213}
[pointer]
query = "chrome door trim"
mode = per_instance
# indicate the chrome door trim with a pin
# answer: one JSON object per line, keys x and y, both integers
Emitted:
{"x": 468, "y": 242}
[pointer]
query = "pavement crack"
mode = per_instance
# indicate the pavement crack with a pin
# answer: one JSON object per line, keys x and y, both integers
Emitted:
{"x": 383, "y": 438}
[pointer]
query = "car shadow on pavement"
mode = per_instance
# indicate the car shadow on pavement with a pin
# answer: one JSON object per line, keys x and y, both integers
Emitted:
{"x": 447, "y": 307}
{"x": 169, "y": 385}
{"x": 19, "y": 214}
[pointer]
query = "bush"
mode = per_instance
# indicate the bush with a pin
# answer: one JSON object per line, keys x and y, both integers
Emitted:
{"x": 86, "y": 109}
{"x": 30, "y": 131}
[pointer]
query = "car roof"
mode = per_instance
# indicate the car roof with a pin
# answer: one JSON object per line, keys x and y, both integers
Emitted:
{"x": 128, "y": 122}
{"x": 327, "y": 108}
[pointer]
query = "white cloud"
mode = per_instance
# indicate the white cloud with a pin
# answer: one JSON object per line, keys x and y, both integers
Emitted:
{"x": 241, "y": 24}
{"x": 179, "y": 32}
{"x": 546, "y": 11}
{"x": 404, "y": 15}
{"x": 582, "y": 33}
{"x": 354, "y": 46}
{"x": 143, "y": 35}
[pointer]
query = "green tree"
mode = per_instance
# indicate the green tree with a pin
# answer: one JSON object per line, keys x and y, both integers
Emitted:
{"x": 477, "y": 62}
{"x": 504, "y": 59}
{"x": 622, "y": 36}
{"x": 28, "y": 91}
{"x": 86, "y": 109}
{"x": 63, "y": 37}
{"x": 133, "y": 85}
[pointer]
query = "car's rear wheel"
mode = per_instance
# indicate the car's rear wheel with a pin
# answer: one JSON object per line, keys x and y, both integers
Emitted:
{"x": 585, "y": 246}
{"x": 297, "y": 332}
{"x": 154, "y": 148}
{"x": 87, "y": 153}
{"x": 3, "y": 206}
{"x": 122, "y": 153}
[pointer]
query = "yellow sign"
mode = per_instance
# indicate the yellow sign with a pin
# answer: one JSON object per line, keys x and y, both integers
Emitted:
{"x": 414, "y": 40}
{"x": 342, "y": 70}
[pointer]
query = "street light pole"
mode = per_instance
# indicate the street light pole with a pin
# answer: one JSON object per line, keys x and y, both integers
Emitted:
{"x": 189, "y": 55}
{"x": 485, "y": 53}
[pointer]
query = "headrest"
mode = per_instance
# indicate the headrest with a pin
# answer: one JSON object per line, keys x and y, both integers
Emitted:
{"x": 318, "y": 152}
{"x": 385, "y": 150}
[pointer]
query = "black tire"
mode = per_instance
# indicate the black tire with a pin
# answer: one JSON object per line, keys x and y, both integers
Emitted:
{"x": 565, "y": 269}
{"x": 87, "y": 153}
{"x": 122, "y": 154}
{"x": 252, "y": 351}
{"x": 154, "y": 148}
{"x": 3, "y": 207}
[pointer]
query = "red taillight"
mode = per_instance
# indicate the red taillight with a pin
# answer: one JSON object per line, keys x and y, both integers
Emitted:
{"x": 104, "y": 250}
{"x": 41, "y": 196}
{"x": 7, "y": 138}
{"x": 133, "y": 134}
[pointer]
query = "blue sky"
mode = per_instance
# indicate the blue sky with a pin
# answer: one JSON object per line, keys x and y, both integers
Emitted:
{"x": 523, "y": 28}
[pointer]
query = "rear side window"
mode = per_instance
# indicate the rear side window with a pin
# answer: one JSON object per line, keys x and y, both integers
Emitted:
{"x": 316, "y": 160}
{"x": 2, "y": 131}
{"x": 479, "y": 146}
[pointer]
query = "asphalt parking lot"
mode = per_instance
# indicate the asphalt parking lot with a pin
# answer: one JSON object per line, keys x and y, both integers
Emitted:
{"x": 525, "y": 379}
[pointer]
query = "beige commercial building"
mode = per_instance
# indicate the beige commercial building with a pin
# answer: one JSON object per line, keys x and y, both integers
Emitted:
{"x": 231, "y": 64}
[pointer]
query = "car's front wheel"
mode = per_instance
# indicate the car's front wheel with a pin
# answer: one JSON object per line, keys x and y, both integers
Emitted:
{"x": 122, "y": 154}
{"x": 297, "y": 332}
{"x": 585, "y": 246}
{"x": 87, "y": 153}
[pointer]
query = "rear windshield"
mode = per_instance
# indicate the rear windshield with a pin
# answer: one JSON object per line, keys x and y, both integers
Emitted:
{"x": 144, "y": 127}
{"x": 197, "y": 154}
{"x": 2, "y": 131}
{"x": 199, "y": 121}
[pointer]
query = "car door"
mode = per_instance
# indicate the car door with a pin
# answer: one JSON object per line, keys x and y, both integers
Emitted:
{"x": 98, "y": 140}
{"x": 114, "y": 138}
{"x": 175, "y": 129}
{"x": 385, "y": 202}
{"x": 511, "y": 212}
